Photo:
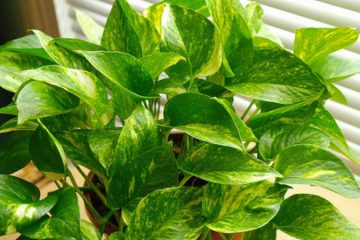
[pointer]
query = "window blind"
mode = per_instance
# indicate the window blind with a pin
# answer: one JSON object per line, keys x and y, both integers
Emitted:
{"x": 283, "y": 17}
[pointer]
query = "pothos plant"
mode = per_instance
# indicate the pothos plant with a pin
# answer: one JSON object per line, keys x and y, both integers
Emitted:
{"x": 98, "y": 104}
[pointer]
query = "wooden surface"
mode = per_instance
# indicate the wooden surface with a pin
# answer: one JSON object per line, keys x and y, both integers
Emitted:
{"x": 349, "y": 207}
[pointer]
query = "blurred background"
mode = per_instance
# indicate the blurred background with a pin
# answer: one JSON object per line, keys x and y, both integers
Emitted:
{"x": 57, "y": 18}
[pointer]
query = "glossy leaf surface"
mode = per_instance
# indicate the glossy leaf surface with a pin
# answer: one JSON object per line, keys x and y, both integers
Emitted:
{"x": 225, "y": 165}
{"x": 277, "y": 76}
{"x": 177, "y": 211}
{"x": 92, "y": 30}
{"x": 152, "y": 170}
{"x": 201, "y": 50}
{"x": 307, "y": 216}
{"x": 311, "y": 44}
{"x": 307, "y": 164}
{"x": 203, "y": 118}
{"x": 158, "y": 62}
{"x": 228, "y": 16}
{"x": 231, "y": 208}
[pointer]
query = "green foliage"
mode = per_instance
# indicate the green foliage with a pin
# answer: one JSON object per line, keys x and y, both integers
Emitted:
{"x": 112, "y": 104}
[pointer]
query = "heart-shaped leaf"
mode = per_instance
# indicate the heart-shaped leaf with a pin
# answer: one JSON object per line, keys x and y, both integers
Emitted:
{"x": 47, "y": 153}
{"x": 225, "y": 165}
{"x": 279, "y": 138}
{"x": 228, "y": 16}
{"x": 202, "y": 50}
{"x": 90, "y": 89}
{"x": 154, "y": 169}
{"x": 127, "y": 31}
{"x": 203, "y": 118}
{"x": 20, "y": 204}
{"x": 307, "y": 216}
{"x": 277, "y": 76}
{"x": 311, "y": 44}
{"x": 311, "y": 165}
{"x": 239, "y": 208}
{"x": 172, "y": 213}
{"x": 63, "y": 223}
{"x": 38, "y": 100}
{"x": 325, "y": 122}
{"x": 14, "y": 151}
{"x": 139, "y": 135}
{"x": 267, "y": 232}
{"x": 92, "y": 30}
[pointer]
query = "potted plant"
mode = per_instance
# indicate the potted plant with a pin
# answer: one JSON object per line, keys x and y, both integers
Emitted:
{"x": 99, "y": 105}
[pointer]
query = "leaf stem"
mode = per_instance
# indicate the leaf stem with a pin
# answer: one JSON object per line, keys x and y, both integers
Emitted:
{"x": 222, "y": 236}
{"x": 184, "y": 180}
{"x": 96, "y": 215}
{"x": 205, "y": 234}
{"x": 119, "y": 220}
{"x": 247, "y": 110}
{"x": 91, "y": 184}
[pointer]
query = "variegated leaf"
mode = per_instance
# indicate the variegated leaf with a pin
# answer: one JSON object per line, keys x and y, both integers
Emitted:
{"x": 201, "y": 50}
{"x": 64, "y": 221}
{"x": 38, "y": 100}
{"x": 229, "y": 18}
{"x": 307, "y": 216}
{"x": 325, "y": 122}
{"x": 172, "y": 213}
{"x": 47, "y": 153}
{"x": 225, "y": 165}
{"x": 92, "y": 30}
{"x": 81, "y": 83}
{"x": 139, "y": 135}
{"x": 152, "y": 170}
{"x": 127, "y": 31}
{"x": 311, "y": 44}
{"x": 267, "y": 232}
{"x": 311, "y": 165}
{"x": 239, "y": 208}
{"x": 279, "y": 138}
{"x": 277, "y": 76}
{"x": 203, "y": 118}
{"x": 89, "y": 231}
{"x": 20, "y": 204}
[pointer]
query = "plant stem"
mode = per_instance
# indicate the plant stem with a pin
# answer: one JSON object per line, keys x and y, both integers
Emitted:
{"x": 184, "y": 180}
{"x": 57, "y": 184}
{"x": 119, "y": 220}
{"x": 91, "y": 184}
{"x": 222, "y": 236}
{"x": 205, "y": 234}
{"x": 247, "y": 110}
{"x": 97, "y": 216}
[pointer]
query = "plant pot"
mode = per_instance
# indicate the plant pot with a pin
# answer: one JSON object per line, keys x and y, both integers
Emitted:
{"x": 110, "y": 226}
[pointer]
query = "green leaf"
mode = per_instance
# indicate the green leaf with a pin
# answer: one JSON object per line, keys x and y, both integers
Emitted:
{"x": 123, "y": 70}
{"x": 311, "y": 44}
{"x": 29, "y": 45}
{"x": 311, "y": 165}
{"x": 117, "y": 236}
{"x": 158, "y": 62}
{"x": 92, "y": 30}
{"x": 168, "y": 87}
{"x": 254, "y": 15}
{"x": 90, "y": 148}
{"x": 152, "y": 170}
{"x": 333, "y": 68}
{"x": 64, "y": 222}
{"x": 172, "y": 213}
{"x": 89, "y": 231}
{"x": 154, "y": 14}
{"x": 81, "y": 83}
{"x": 231, "y": 208}
{"x": 307, "y": 216}
{"x": 203, "y": 118}
{"x": 47, "y": 153}
{"x": 139, "y": 135}
{"x": 337, "y": 95}
{"x": 12, "y": 126}
{"x": 127, "y": 31}
{"x": 20, "y": 204}
{"x": 325, "y": 122}
{"x": 61, "y": 55}
{"x": 225, "y": 165}
{"x": 38, "y": 99}
{"x": 195, "y": 5}
{"x": 277, "y": 76}
{"x": 201, "y": 50}
{"x": 276, "y": 139}
{"x": 14, "y": 151}
{"x": 267, "y": 232}
{"x": 209, "y": 88}
{"x": 228, "y": 16}
{"x": 9, "y": 110}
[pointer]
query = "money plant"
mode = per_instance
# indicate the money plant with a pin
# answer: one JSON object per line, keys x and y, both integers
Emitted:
{"x": 114, "y": 105}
